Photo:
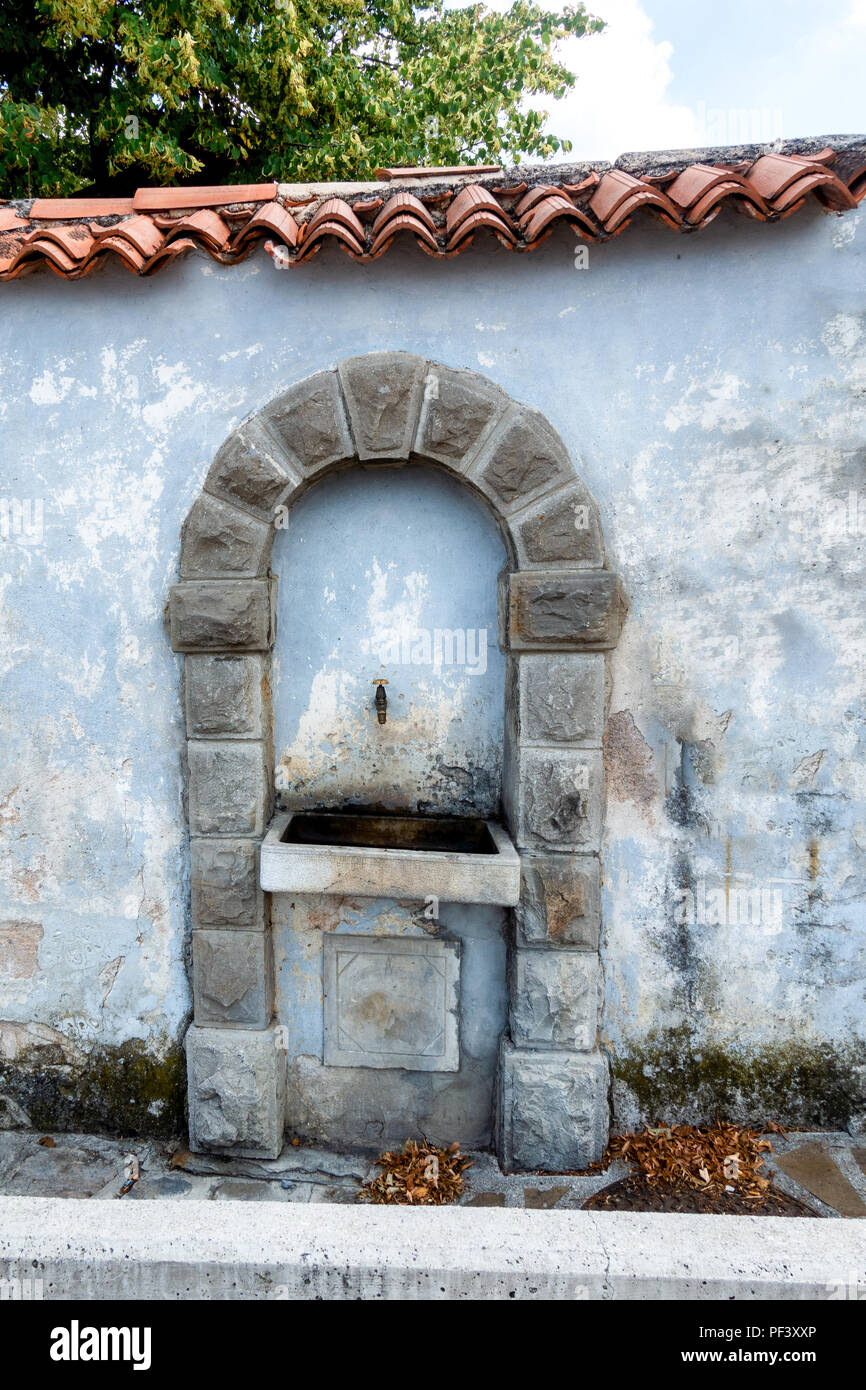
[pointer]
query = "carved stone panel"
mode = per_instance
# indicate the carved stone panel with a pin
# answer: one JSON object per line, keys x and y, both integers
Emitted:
{"x": 391, "y": 1003}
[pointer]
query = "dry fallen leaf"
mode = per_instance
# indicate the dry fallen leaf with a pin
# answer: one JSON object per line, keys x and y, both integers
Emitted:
{"x": 419, "y": 1173}
{"x": 684, "y": 1156}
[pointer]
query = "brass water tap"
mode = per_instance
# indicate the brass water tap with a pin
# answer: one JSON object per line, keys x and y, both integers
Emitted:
{"x": 381, "y": 699}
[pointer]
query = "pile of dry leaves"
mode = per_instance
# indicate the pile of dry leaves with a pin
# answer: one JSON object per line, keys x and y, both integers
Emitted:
{"x": 418, "y": 1175}
{"x": 718, "y": 1158}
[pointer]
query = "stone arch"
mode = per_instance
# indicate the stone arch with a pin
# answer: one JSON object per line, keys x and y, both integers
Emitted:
{"x": 560, "y": 610}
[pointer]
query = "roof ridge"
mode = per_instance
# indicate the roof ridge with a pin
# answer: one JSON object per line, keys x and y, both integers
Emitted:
{"x": 442, "y": 210}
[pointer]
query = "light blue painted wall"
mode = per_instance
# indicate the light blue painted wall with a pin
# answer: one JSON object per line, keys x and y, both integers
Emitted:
{"x": 710, "y": 389}
{"x": 374, "y": 564}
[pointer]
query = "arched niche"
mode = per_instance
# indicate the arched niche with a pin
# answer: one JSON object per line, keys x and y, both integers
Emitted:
{"x": 559, "y": 611}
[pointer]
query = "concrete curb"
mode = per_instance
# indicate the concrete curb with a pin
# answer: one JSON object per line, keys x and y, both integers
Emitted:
{"x": 257, "y": 1250}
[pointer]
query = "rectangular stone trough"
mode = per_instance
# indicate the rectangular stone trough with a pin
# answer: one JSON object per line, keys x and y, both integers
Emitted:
{"x": 400, "y": 857}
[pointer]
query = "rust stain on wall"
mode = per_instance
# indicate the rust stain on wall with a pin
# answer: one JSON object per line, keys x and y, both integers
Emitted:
{"x": 628, "y": 762}
{"x": 19, "y": 949}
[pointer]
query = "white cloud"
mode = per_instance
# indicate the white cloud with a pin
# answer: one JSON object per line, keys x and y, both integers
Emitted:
{"x": 620, "y": 101}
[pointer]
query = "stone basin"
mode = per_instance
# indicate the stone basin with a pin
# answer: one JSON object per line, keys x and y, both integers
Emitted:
{"x": 454, "y": 859}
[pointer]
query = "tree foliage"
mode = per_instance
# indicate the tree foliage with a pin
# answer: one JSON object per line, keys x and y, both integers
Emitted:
{"x": 104, "y": 95}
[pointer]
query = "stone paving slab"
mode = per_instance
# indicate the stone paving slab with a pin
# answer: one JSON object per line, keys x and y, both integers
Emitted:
{"x": 814, "y": 1168}
{"x": 302, "y": 1164}
{"x": 825, "y": 1170}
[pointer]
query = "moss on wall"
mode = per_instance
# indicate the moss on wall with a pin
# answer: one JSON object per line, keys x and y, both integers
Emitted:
{"x": 676, "y": 1077}
{"x": 124, "y": 1090}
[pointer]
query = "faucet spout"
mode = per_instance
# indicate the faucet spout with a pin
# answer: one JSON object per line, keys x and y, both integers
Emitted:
{"x": 381, "y": 700}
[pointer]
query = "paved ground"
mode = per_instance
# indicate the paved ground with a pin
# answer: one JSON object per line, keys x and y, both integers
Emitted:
{"x": 825, "y": 1169}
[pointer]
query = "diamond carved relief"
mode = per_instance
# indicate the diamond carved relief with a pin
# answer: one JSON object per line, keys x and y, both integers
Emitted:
{"x": 391, "y": 1003}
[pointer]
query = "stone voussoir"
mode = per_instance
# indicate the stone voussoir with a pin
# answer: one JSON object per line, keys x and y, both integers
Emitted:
{"x": 562, "y": 610}
{"x": 554, "y": 999}
{"x": 309, "y": 421}
{"x": 225, "y": 695}
{"x": 253, "y": 471}
{"x": 233, "y": 978}
{"x": 224, "y": 881}
{"x": 562, "y": 529}
{"x": 523, "y": 459}
{"x": 229, "y": 787}
{"x": 553, "y": 1109}
{"x": 458, "y": 412}
{"x": 222, "y": 615}
{"x": 219, "y": 541}
{"x": 237, "y": 1090}
{"x": 383, "y": 396}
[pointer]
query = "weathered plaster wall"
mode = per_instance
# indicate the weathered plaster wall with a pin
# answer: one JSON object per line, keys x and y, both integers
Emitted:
{"x": 389, "y": 573}
{"x": 711, "y": 391}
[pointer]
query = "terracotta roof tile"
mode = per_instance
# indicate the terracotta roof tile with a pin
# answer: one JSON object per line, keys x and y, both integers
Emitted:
{"x": 271, "y": 219}
{"x": 206, "y": 226}
{"x": 156, "y": 199}
{"x": 145, "y": 233}
{"x": 700, "y": 190}
{"x": 469, "y": 200}
{"x": 556, "y": 208}
{"x": 167, "y": 252}
{"x": 315, "y": 232}
{"x": 482, "y": 218}
{"x": 619, "y": 196}
{"x": 334, "y": 211}
{"x": 405, "y": 222}
{"x": 10, "y": 219}
{"x": 528, "y": 201}
{"x": 404, "y": 205}
{"x": 138, "y": 232}
{"x": 80, "y": 207}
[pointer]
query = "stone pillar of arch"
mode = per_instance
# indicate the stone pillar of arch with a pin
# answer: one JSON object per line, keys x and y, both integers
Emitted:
{"x": 560, "y": 611}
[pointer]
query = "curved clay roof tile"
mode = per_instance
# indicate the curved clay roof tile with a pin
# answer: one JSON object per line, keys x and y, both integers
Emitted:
{"x": 204, "y": 226}
{"x": 470, "y": 200}
{"x": 620, "y": 195}
{"x": 318, "y": 230}
{"x": 335, "y": 211}
{"x": 740, "y": 197}
{"x": 402, "y": 204}
{"x": 272, "y": 219}
{"x": 535, "y": 195}
{"x": 773, "y": 173}
{"x": 139, "y": 232}
{"x": 554, "y": 209}
{"x": 405, "y": 223}
{"x": 478, "y": 218}
{"x": 831, "y": 191}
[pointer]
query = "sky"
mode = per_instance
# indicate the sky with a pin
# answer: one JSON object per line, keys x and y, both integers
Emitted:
{"x": 670, "y": 74}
